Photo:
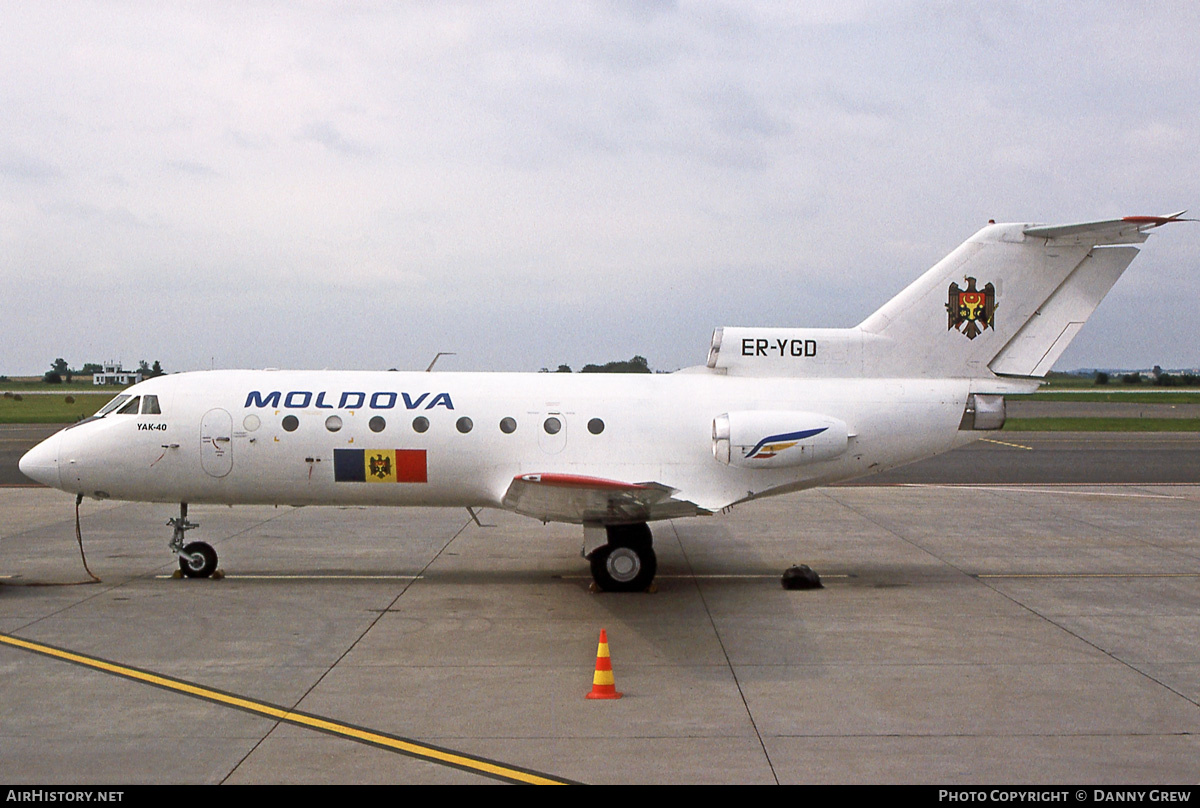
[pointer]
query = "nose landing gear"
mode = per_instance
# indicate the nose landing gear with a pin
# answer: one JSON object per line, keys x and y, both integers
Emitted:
{"x": 196, "y": 559}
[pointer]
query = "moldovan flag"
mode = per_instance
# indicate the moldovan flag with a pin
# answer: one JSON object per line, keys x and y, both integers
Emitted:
{"x": 379, "y": 466}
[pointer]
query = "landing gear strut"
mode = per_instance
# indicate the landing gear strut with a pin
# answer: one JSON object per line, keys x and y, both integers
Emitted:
{"x": 627, "y": 563}
{"x": 196, "y": 559}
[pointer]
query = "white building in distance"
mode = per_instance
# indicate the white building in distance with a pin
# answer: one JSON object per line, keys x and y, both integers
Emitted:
{"x": 113, "y": 374}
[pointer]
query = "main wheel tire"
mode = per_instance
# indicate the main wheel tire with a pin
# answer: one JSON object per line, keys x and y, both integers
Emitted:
{"x": 623, "y": 569}
{"x": 199, "y": 560}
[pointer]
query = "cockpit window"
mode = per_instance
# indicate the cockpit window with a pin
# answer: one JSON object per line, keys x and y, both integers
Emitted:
{"x": 110, "y": 406}
{"x": 150, "y": 405}
{"x": 131, "y": 408}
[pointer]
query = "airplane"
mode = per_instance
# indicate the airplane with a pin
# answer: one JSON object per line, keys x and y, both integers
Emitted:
{"x": 773, "y": 410}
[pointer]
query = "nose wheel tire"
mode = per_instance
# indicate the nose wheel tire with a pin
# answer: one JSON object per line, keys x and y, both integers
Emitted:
{"x": 198, "y": 560}
{"x": 623, "y": 569}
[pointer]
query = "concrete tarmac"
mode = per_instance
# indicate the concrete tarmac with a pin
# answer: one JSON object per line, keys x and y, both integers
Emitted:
{"x": 16, "y": 440}
{"x": 966, "y": 634}
{"x": 1123, "y": 458}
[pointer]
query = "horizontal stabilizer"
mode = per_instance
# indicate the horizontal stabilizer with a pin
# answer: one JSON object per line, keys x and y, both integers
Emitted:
{"x": 1127, "y": 230}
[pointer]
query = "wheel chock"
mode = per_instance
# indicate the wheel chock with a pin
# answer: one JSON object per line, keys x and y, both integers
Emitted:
{"x": 801, "y": 577}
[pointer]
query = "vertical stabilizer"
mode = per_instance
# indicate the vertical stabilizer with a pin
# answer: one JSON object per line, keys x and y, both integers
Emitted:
{"x": 1008, "y": 301}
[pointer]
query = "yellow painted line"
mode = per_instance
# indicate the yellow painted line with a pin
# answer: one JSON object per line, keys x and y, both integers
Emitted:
{"x": 1005, "y": 443}
{"x": 378, "y": 739}
{"x": 1093, "y": 575}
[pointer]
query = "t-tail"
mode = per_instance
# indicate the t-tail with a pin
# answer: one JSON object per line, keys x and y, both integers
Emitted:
{"x": 1002, "y": 307}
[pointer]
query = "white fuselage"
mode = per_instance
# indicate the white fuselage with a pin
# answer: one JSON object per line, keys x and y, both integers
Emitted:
{"x": 220, "y": 436}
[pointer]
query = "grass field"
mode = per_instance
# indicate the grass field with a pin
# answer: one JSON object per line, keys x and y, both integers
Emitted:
{"x": 1057, "y": 382}
{"x": 1073, "y": 383}
{"x": 1102, "y": 425}
{"x": 17, "y": 384}
{"x": 50, "y": 409}
{"x": 1133, "y": 396}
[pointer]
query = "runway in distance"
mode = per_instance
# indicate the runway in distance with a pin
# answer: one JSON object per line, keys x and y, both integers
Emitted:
{"x": 773, "y": 410}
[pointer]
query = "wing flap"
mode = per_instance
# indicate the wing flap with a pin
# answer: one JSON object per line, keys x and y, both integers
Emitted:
{"x": 580, "y": 499}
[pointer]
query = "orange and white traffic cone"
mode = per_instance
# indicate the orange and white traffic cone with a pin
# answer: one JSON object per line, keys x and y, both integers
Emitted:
{"x": 603, "y": 686}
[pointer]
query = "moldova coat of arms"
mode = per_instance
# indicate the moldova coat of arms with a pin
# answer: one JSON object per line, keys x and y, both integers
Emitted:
{"x": 971, "y": 310}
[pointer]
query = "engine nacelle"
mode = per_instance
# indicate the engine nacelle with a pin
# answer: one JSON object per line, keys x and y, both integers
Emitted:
{"x": 767, "y": 439}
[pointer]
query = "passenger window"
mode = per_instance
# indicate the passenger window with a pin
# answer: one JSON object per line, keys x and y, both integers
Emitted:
{"x": 150, "y": 405}
{"x": 131, "y": 408}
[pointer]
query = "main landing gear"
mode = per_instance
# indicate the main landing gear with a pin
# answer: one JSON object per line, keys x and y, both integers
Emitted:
{"x": 196, "y": 559}
{"x": 626, "y": 563}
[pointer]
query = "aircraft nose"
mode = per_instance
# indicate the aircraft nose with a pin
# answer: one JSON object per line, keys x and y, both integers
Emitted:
{"x": 41, "y": 462}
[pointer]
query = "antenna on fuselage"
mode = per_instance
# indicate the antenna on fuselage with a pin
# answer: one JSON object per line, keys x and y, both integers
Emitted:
{"x": 440, "y": 354}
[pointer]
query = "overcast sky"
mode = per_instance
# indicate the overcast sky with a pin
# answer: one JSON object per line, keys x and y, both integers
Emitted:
{"x": 362, "y": 185}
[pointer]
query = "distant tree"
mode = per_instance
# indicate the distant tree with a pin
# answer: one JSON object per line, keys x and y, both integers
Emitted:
{"x": 62, "y": 369}
{"x": 1163, "y": 379}
{"x": 637, "y": 364}
{"x": 52, "y": 378}
{"x": 143, "y": 367}
{"x": 156, "y": 370}
{"x": 1132, "y": 378}
{"x": 563, "y": 369}
{"x": 91, "y": 368}
{"x": 1101, "y": 378}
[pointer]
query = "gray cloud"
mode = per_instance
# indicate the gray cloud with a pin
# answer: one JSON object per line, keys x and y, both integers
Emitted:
{"x": 251, "y": 183}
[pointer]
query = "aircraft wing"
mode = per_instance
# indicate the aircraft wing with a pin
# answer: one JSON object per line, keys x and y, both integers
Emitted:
{"x": 580, "y": 499}
{"x": 1129, "y": 230}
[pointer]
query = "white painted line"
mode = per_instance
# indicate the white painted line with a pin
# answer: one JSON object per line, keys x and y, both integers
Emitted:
{"x": 289, "y": 577}
{"x": 1091, "y": 575}
{"x": 765, "y": 577}
{"x": 1032, "y": 490}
